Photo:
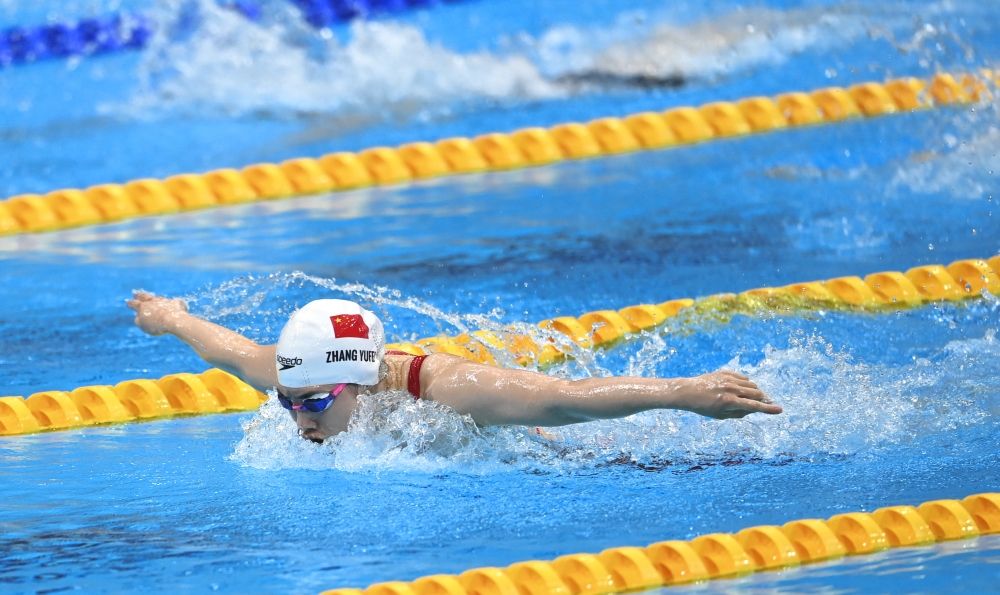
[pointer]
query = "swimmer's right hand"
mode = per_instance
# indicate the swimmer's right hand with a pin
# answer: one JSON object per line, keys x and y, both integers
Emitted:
{"x": 156, "y": 315}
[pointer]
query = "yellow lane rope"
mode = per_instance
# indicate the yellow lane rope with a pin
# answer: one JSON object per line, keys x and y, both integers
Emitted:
{"x": 216, "y": 391}
{"x": 497, "y": 151}
{"x": 718, "y": 555}
{"x": 877, "y": 292}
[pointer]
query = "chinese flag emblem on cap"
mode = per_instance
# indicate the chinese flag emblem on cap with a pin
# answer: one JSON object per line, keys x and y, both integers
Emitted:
{"x": 349, "y": 325}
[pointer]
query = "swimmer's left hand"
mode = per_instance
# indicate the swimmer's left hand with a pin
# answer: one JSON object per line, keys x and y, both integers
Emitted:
{"x": 727, "y": 395}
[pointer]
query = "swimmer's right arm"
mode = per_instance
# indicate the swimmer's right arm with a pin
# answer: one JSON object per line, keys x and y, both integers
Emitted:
{"x": 219, "y": 346}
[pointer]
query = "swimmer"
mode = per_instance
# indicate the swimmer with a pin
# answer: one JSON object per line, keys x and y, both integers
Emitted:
{"x": 332, "y": 351}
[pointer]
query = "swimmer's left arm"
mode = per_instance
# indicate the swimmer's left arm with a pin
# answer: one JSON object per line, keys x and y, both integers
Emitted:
{"x": 217, "y": 345}
{"x": 498, "y": 396}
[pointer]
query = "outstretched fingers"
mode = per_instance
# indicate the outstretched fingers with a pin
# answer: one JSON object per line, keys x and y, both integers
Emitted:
{"x": 734, "y": 374}
{"x": 751, "y": 392}
{"x": 142, "y": 297}
{"x": 751, "y": 406}
{"x": 138, "y": 298}
{"x": 155, "y": 315}
{"x": 747, "y": 390}
{"x": 753, "y": 400}
{"x": 727, "y": 395}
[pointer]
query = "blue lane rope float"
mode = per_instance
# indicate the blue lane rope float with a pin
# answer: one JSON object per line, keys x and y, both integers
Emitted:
{"x": 132, "y": 30}
{"x": 98, "y": 35}
{"x": 216, "y": 391}
{"x": 323, "y": 13}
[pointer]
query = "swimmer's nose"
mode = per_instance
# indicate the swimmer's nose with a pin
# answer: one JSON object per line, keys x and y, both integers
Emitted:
{"x": 308, "y": 428}
{"x": 305, "y": 421}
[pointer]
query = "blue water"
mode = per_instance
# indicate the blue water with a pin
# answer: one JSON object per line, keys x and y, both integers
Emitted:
{"x": 880, "y": 410}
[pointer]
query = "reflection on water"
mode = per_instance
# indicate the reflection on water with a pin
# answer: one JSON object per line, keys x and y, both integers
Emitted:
{"x": 224, "y": 62}
{"x": 880, "y": 409}
{"x": 952, "y": 567}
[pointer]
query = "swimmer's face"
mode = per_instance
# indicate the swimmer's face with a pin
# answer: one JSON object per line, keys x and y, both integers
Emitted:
{"x": 329, "y": 422}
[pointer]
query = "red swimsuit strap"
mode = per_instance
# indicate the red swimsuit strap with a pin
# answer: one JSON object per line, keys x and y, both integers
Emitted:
{"x": 413, "y": 378}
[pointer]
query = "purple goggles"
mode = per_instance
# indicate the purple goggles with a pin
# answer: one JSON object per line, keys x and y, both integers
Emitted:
{"x": 312, "y": 405}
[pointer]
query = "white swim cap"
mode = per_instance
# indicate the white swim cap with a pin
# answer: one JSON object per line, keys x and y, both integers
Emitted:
{"x": 330, "y": 342}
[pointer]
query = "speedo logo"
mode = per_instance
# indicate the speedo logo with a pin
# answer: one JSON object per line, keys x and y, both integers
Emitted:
{"x": 287, "y": 363}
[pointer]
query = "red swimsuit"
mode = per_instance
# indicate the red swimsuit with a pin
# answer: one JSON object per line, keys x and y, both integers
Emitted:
{"x": 413, "y": 380}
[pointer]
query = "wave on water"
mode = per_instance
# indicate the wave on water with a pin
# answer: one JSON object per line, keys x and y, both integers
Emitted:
{"x": 390, "y": 432}
{"x": 223, "y": 62}
{"x": 836, "y": 404}
{"x": 704, "y": 50}
{"x": 965, "y": 169}
{"x": 280, "y": 65}
{"x": 241, "y": 303}
{"x": 743, "y": 39}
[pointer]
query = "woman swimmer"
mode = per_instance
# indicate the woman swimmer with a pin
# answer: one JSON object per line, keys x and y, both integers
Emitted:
{"x": 331, "y": 351}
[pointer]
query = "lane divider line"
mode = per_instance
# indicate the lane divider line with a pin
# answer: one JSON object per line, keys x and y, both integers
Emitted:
{"x": 213, "y": 391}
{"x": 717, "y": 555}
{"x": 97, "y": 35}
{"x": 885, "y": 291}
{"x": 527, "y": 147}
{"x": 324, "y": 13}
{"x": 122, "y": 31}
{"x": 216, "y": 391}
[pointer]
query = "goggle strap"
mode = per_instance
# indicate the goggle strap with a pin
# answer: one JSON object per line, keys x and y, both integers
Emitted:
{"x": 336, "y": 390}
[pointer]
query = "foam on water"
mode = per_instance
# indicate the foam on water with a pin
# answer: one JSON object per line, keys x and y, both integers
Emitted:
{"x": 246, "y": 296}
{"x": 836, "y": 404}
{"x": 390, "y": 431}
{"x": 727, "y": 44}
{"x": 966, "y": 168}
{"x": 237, "y": 66}
{"x": 225, "y": 62}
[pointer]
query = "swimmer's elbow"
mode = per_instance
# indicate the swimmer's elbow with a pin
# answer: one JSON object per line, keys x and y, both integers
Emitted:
{"x": 256, "y": 368}
{"x": 561, "y": 415}
{"x": 593, "y": 399}
{"x": 567, "y": 404}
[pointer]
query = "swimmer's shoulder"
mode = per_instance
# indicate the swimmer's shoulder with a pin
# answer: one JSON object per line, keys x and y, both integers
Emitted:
{"x": 400, "y": 365}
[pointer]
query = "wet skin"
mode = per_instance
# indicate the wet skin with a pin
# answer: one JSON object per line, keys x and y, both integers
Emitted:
{"x": 490, "y": 395}
{"x": 329, "y": 422}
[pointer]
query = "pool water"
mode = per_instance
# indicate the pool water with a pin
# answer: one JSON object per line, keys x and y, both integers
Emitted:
{"x": 880, "y": 409}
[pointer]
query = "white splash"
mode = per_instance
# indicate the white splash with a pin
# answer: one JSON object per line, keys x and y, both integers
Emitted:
{"x": 389, "y": 432}
{"x": 238, "y": 66}
{"x": 706, "y": 49}
{"x": 835, "y": 405}
{"x": 280, "y": 65}
{"x": 244, "y": 296}
{"x": 969, "y": 171}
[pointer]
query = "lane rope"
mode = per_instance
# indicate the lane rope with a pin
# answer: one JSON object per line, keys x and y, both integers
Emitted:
{"x": 324, "y": 13}
{"x": 123, "y": 31}
{"x": 555, "y": 340}
{"x": 526, "y": 147}
{"x": 97, "y": 35}
{"x": 717, "y": 555}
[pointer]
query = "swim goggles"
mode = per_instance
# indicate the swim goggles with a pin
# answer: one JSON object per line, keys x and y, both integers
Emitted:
{"x": 312, "y": 405}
